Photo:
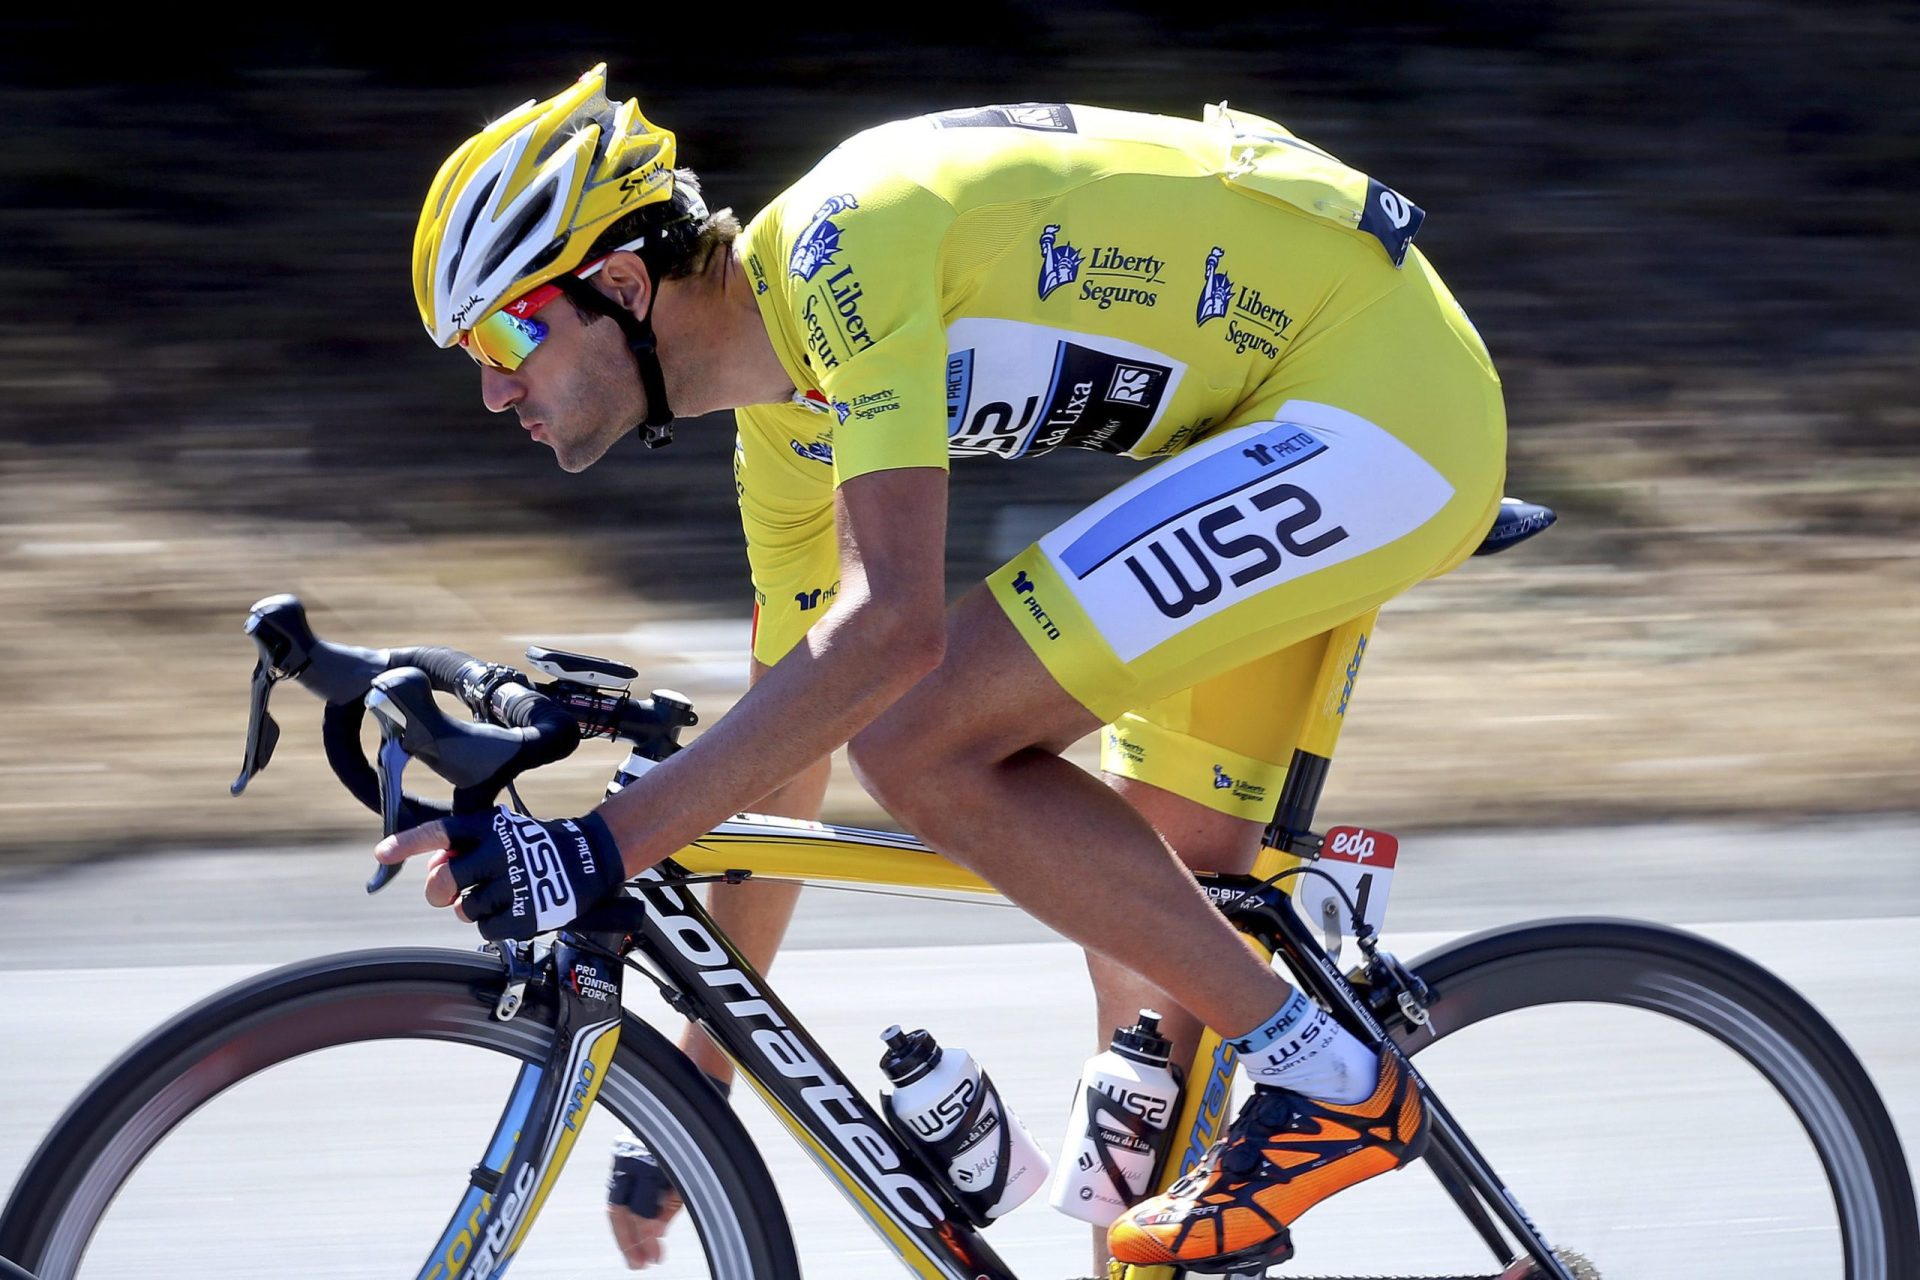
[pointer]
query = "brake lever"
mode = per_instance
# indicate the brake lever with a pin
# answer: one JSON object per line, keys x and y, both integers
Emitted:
{"x": 263, "y": 734}
{"x": 470, "y": 756}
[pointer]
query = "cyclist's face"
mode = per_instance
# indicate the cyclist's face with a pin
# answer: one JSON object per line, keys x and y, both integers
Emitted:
{"x": 576, "y": 392}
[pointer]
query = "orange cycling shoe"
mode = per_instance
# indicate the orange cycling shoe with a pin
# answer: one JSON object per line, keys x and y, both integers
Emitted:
{"x": 1282, "y": 1155}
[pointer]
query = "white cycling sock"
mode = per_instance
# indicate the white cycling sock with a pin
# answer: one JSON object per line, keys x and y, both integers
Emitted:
{"x": 1302, "y": 1049}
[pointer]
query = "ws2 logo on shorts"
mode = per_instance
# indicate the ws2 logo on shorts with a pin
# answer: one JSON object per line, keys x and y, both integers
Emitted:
{"x": 1241, "y": 514}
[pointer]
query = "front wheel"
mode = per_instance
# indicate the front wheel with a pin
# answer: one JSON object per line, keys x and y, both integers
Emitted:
{"x": 324, "y": 1118}
{"x": 1736, "y": 1134}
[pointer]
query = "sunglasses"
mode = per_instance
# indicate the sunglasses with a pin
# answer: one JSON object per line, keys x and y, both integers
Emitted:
{"x": 507, "y": 337}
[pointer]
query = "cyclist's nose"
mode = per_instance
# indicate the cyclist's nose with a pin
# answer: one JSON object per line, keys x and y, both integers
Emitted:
{"x": 500, "y": 390}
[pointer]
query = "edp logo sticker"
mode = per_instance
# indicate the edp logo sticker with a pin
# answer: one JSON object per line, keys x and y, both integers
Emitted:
{"x": 1362, "y": 860}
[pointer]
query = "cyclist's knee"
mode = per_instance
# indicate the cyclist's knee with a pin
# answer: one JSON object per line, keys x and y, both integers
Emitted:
{"x": 906, "y": 760}
{"x": 882, "y": 757}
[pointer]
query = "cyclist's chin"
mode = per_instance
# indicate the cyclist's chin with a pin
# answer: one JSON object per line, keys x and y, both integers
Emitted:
{"x": 575, "y": 453}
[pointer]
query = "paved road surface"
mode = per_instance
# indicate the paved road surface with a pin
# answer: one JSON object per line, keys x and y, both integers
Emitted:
{"x": 1831, "y": 906}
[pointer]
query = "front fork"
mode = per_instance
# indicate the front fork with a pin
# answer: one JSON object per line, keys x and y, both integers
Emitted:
{"x": 545, "y": 1110}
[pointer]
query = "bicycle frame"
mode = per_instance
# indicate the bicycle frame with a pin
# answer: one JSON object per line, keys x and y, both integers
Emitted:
{"x": 704, "y": 977}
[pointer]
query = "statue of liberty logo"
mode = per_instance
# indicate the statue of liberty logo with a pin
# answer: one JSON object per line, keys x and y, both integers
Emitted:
{"x": 1059, "y": 263}
{"x": 820, "y": 241}
{"x": 1217, "y": 292}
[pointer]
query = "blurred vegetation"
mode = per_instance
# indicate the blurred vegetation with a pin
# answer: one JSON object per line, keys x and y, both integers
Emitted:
{"x": 1686, "y": 231}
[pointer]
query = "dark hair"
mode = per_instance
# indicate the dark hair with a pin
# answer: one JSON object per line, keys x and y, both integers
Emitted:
{"x": 679, "y": 241}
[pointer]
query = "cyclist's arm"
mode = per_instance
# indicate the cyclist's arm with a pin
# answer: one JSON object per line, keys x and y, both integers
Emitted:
{"x": 885, "y": 630}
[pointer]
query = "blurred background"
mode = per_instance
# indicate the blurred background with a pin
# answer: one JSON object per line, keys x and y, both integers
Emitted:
{"x": 1686, "y": 231}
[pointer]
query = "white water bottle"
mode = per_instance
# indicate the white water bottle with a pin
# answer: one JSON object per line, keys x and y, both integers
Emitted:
{"x": 947, "y": 1107}
{"x": 1126, "y": 1100}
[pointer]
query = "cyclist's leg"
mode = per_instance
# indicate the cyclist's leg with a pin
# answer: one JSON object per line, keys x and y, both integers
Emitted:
{"x": 1204, "y": 766}
{"x": 965, "y": 757}
{"x": 1204, "y": 840}
{"x": 1411, "y": 367}
{"x": 786, "y": 512}
{"x": 1379, "y": 468}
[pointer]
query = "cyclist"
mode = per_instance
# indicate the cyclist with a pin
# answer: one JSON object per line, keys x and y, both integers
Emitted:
{"x": 1002, "y": 281}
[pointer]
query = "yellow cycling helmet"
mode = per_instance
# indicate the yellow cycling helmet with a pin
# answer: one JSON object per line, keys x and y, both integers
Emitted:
{"x": 523, "y": 201}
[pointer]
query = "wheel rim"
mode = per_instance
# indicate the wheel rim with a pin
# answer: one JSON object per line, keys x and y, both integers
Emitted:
{"x": 363, "y": 1015}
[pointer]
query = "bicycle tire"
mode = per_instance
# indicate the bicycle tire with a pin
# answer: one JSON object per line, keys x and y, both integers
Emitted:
{"x": 1732, "y": 999}
{"x": 351, "y": 998}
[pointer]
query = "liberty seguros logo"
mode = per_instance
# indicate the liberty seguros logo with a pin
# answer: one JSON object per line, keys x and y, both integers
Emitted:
{"x": 1059, "y": 261}
{"x": 821, "y": 240}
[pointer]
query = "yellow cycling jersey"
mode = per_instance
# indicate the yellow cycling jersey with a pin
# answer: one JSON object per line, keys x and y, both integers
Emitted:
{"x": 1009, "y": 280}
{"x": 1041, "y": 276}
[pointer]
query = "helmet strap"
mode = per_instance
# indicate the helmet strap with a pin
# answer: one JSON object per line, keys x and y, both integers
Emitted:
{"x": 656, "y": 430}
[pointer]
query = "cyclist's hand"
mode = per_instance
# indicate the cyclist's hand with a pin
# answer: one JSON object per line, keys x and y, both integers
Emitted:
{"x": 512, "y": 875}
{"x": 641, "y": 1204}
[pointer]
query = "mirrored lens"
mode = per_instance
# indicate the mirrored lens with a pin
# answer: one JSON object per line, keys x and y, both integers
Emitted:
{"x": 503, "y": 340}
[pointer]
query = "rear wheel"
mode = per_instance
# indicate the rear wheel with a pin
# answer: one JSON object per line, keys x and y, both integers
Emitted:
{"x": 1733, "y": 1134}
{"x": 325, "y": 1117}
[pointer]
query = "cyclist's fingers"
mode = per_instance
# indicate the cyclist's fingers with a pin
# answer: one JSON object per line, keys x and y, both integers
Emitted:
{"x": 459, "y": 832}
{"x": 638, "y": 1238}
{"x": 441, "y": 888}
{"x": 401, "y": 845}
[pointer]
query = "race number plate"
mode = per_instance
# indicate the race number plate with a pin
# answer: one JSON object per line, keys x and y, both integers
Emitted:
{"x": 1361, "y": 859}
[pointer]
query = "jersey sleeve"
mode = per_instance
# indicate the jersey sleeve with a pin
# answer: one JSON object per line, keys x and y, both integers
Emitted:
{"x": 782, "y": 476}
{"x": 862, "y": 277}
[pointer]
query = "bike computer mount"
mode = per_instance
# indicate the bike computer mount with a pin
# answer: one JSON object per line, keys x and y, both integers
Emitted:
{"x": 581, "y": 669}
{"x": 598, "y": 692}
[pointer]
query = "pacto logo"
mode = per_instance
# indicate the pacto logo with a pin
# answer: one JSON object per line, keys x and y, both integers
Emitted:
{"x": 1188, "y": 574}
{"x": 1353, "y": 673}
{"x": 1023, "y": 587}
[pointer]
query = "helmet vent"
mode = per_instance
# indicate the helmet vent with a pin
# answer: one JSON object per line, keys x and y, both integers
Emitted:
{"x": 517, "y": 228}
{"x": 465, "y": 238}
{"x": 544, "y": 258}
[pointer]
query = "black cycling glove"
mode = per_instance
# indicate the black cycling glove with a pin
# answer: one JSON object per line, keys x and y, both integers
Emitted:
{"x": 523, "y": 876}
{"x": 637, "y": 1181}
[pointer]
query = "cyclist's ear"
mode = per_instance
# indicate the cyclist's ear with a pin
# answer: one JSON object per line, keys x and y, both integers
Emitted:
{"x": 626, "y": 280}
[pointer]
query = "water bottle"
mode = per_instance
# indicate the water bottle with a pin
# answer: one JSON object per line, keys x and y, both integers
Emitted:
{"x": 947, "y": 1108}
{"x": 1126, "y": 1100}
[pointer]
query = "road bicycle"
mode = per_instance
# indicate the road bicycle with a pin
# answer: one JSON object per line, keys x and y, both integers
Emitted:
{"x": 545, "y": 1026}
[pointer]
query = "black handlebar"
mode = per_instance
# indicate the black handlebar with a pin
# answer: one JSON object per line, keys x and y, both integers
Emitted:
{"x": 518, "y": 727}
